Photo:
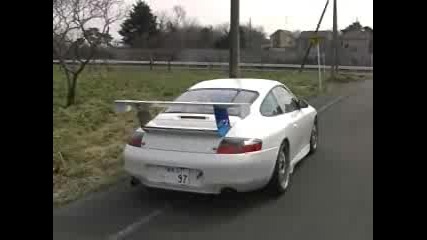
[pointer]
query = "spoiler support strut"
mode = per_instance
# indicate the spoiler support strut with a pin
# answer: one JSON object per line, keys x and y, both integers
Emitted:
{"x": 220, "y": 111}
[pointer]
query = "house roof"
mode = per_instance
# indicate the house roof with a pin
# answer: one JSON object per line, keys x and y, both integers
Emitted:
{"x": 280, "y": 30}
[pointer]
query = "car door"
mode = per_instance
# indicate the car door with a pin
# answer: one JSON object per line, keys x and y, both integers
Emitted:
{"x": 278, "y": 124}
{"x": 293, "y": 114}
{"x": 307, "y": 119}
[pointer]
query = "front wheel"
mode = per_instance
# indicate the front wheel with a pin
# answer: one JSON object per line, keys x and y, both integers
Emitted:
{"x": 314, "y": 138}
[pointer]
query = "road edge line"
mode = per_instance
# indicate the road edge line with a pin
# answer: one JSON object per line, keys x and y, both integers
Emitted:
{"x": 331, "y": 103}
{"x": 131, "y": 228}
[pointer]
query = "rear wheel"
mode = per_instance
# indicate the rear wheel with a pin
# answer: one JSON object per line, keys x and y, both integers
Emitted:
{"x": 282, "y": 172}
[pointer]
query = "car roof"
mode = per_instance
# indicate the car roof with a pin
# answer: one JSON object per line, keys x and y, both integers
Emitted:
{"x": 262, "y": 86}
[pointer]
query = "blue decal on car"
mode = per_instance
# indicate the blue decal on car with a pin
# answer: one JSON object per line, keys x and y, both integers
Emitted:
{"x": 222, "y": 120}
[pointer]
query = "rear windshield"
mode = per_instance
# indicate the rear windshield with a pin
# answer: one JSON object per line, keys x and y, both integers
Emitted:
{"x": 212, "y": 95}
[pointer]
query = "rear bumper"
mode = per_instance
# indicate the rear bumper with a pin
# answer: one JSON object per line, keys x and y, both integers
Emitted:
{"x": 241, "y": 172}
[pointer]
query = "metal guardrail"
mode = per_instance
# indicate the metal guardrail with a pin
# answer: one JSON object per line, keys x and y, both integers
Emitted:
{"x": 221, "y": 64}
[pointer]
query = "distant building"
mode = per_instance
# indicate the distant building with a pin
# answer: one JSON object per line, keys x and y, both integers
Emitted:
{"x": 356, "y": 48}
{"x": 282, "y": 39}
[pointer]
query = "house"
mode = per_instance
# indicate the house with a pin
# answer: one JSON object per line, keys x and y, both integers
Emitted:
{"x": 356, "y": 47}
{"x": 282, "y": 39}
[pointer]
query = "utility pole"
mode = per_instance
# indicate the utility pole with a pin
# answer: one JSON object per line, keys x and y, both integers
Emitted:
{"x": 334, "y": 66}
{"x": 234, "y": 40}
{"x": 318, "y": 65}
{"x": 250, "y": 35}
{"x": 315, "y": 33}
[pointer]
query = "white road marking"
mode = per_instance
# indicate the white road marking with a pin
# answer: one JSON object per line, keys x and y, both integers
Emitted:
{"x": 329, "y": 104}
{"x": 134, "y": 226}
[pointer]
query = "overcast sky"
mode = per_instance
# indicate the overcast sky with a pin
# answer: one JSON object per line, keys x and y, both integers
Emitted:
{"x": 271, "y": 14}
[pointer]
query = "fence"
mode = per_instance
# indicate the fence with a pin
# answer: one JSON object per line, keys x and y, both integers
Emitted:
{"x": 221, "y": 65}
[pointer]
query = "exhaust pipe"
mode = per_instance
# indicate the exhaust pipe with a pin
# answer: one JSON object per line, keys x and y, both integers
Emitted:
{"x": 134, "y": 181}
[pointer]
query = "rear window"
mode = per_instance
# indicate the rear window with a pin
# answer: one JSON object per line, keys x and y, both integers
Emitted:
{"x": 212, "y": 95}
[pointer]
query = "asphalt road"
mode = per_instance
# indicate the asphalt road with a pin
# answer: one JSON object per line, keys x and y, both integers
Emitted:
{"x": 330, "y": 197}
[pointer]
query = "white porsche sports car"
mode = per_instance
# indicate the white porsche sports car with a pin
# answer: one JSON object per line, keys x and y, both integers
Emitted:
{"x": 221, "y": 135}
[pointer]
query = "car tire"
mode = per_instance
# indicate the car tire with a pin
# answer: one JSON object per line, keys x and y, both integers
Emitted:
{"x": 314, "y": 138}
{"x": 281, "y": 177}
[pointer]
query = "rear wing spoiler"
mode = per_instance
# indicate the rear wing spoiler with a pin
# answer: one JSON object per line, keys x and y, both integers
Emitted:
{"x": 220, "y": 110}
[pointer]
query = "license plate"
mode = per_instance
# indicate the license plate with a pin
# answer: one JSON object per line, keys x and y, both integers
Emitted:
{"x": 179, "y": 176}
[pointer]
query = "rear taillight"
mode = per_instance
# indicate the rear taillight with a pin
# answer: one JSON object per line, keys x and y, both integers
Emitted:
{"x": 136, "y": 139}
{"x": 239, "y": 145}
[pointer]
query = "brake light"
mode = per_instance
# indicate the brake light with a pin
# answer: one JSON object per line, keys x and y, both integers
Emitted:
{"x": 136, "y": 139}
{"x": 239, "y": 145}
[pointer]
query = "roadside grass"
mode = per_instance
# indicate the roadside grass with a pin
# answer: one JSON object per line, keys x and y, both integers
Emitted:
{"x": 347, "y": 77}
{"x": 88, "y": 137}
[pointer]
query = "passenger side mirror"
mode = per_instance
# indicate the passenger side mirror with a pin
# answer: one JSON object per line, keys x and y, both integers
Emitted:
{"x": 302, "y": 103}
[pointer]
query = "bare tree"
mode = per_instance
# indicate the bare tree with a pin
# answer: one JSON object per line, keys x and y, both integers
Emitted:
{"x": 180, "y": 32}
{"x": 179, "y": 16}
{"x": 162, "y": 20}
{"x": 222, "y": 28}
{"x": 253, "y": 36}
{"x": 80, "y": 27}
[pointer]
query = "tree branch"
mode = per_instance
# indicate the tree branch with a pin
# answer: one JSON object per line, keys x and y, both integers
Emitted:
{"x": 74, "y": 31}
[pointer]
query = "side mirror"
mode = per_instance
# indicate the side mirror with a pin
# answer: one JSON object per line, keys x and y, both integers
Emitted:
{"x": 296, "y": 103}
{"x": 300, "y": 103}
